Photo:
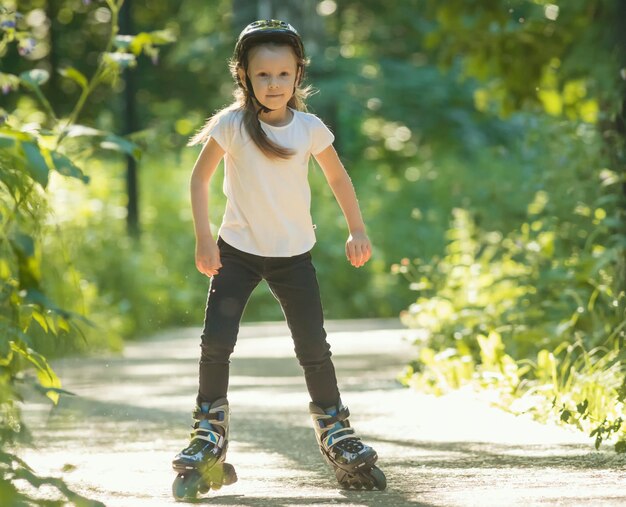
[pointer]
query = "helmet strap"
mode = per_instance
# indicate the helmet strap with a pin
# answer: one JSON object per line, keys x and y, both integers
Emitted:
{"x": 263, "y": 107}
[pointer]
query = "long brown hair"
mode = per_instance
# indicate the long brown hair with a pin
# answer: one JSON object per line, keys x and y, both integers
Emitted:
{"x": 246, "y": 103}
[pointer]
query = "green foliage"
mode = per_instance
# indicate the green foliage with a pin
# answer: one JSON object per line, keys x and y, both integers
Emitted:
{"x": 25, "y": 307}
{"x": 533, "y": 52}
{"x": 140, "y": 284}
{"x": 543, "y": 300}
{"x": 32, "y": 155}
{"x": 549, "y": 289}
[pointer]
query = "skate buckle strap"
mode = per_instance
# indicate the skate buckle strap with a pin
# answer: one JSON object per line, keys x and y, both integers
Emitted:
{"x": 210, "y": 436}
{"x": 342, "y": 415}
{"x": 198, "y": 415}
{"x": 337, "y": 436}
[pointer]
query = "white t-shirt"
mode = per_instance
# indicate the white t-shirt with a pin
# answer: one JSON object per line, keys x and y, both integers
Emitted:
{"x": 268, "y": 208}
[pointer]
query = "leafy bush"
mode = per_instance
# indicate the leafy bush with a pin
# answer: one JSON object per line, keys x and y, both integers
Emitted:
{"x": 539, "y": 312}
{"x": 35, "y": 147}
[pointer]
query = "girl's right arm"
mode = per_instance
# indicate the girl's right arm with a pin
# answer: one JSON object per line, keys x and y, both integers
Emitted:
{"x": 207, "y": 252}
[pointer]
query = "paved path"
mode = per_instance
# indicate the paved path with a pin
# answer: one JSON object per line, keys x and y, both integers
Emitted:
{"x": 132, "y": 414}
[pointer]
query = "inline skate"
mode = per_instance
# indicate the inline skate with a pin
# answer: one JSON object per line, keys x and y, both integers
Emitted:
{"x": 200, "y": 466}
{"x": 352, "y": 460}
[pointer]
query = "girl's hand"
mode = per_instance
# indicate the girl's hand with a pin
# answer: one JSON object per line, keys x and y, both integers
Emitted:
{"x": 358, "y": 249}
{"x": 207, "y": 256}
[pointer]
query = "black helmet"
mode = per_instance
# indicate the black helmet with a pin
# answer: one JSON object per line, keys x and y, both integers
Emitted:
{"x": 268, "y": 30}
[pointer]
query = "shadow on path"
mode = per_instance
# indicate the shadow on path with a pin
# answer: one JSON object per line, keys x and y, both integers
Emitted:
{"x": 135, "y": 412}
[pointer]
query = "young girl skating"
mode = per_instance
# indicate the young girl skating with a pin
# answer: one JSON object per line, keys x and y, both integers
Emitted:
{"x": 266, "y": 140}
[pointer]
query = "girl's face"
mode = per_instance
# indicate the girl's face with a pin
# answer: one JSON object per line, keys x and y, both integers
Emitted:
{"x": 273, "y": 72}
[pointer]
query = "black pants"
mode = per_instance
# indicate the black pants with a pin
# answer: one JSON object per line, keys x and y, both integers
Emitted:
{"x": 293, "y": 282}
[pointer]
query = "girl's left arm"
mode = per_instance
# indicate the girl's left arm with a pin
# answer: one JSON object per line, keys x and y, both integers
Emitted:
{"x": 358, "y": 247}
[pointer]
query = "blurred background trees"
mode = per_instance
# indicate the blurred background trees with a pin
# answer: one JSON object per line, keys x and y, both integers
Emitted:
{"x": 485, "y": 140}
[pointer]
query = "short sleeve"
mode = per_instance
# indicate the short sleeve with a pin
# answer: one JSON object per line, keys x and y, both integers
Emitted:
{"x": 321, "y": 136}
{"x": 222, "y": 130}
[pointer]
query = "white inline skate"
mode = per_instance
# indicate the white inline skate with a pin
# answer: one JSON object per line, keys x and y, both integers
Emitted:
{"x": 352, "y": 460}
{"x": 200, "y": 467}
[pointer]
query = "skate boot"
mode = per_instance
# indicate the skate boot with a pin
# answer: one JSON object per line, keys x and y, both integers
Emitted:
{"x": 200, "y": 466}
{"x": 352, "y": 460}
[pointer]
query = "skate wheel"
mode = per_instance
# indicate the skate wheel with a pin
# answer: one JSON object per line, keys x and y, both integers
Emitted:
{"x": 379, "y": 481}
{"x": 185, "y": 487}
{"x": 214, "y": 477}
{"x": 230, "y": 476}
{"x": 351, "y": 481}
{"x": 343, "y": 478}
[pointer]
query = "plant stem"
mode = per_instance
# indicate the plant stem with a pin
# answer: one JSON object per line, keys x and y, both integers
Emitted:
{"x": 45, "y": 103}
{"x": 99, "y": 73}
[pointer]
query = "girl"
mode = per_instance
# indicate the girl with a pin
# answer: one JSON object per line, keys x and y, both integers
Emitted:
{"x": 266, "y": 140}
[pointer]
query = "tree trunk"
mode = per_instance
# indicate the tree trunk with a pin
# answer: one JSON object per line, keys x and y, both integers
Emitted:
{"x": 130, "y": 126}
